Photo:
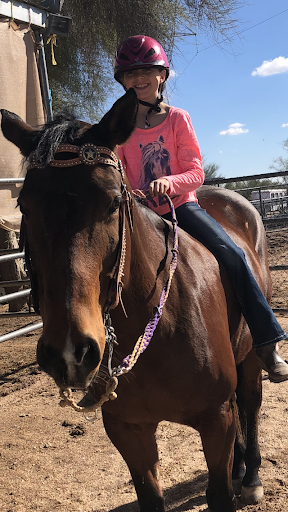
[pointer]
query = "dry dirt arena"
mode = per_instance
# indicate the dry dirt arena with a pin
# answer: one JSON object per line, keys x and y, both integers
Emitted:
{"x": 52, "y": 459}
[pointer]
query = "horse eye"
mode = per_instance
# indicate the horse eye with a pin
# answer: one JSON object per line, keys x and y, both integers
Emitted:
{"x": 115, "y": 205}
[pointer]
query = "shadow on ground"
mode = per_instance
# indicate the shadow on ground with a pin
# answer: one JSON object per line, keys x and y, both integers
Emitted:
{"x": 179, "y": 498}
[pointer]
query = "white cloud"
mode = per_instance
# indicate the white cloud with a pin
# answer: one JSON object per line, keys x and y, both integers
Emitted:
{"x": 173, "y": 73}
{"x": 284, "y": 125}
{"x": 272, "y": 67}
{"x": 235, "y": 129}
{"x": 220, "y": 151}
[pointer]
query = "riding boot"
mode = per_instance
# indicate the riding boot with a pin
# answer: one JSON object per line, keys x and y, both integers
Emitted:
{"x": 272, "y": 363}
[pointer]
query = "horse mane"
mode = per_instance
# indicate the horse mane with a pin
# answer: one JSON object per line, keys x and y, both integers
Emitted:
{"x": 63, "y": 129}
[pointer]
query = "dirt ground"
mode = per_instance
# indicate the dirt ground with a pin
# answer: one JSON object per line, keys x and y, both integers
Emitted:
{"x": 52, "y": 459}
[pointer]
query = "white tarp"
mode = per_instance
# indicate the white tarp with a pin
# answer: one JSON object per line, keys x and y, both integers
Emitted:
{"x": 19, "y": 93}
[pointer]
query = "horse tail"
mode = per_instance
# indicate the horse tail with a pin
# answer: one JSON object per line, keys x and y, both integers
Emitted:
{"x": 237, "y": 422}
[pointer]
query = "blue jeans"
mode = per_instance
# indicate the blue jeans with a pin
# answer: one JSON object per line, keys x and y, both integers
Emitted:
{"x": 264, "y": 328}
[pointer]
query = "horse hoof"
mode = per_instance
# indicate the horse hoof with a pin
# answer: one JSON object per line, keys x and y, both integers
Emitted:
{"x": 237, "y": 486}
{"x": 251, "y": 495}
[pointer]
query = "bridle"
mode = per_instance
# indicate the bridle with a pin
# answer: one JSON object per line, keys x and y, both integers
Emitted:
{"x": 90, "y": 154}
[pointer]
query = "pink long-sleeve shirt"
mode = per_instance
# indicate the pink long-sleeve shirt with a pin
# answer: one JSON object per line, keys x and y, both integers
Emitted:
{"x": 169, "y": 150}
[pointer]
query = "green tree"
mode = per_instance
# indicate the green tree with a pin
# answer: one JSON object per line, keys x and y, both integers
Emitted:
{"x": 83, "y": 76}
{"x": 211, "y": 170}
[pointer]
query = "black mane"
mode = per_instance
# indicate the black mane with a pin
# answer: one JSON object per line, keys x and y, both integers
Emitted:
{"x": 63, "y": 129}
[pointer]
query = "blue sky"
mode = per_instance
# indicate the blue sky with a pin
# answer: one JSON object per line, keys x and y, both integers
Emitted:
{"x": 218, "y": 90}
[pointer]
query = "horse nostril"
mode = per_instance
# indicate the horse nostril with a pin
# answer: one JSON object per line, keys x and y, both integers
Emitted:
{"x": 88, "y": 353}
{"x": 80, "y": 352}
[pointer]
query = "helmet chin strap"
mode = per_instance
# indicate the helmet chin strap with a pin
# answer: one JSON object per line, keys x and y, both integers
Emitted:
{"x": 152, "y": 106}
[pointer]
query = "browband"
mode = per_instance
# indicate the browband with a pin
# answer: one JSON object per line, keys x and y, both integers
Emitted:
{"x": 88, "y": 154}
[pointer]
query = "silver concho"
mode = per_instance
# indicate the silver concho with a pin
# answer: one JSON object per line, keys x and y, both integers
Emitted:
{"x": 89, "y": 154}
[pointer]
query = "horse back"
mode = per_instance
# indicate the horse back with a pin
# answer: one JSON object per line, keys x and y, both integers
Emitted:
{"x": 244, "y": 225}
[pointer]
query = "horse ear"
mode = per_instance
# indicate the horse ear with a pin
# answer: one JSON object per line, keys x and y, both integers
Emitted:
{"x": 118, "y": 124}
{"x": 18, "y": 132}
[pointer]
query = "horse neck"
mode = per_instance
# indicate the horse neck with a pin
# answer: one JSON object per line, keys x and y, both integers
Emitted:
{"x": 148, "y": 248}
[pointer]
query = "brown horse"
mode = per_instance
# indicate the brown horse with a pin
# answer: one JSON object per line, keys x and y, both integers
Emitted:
{"x": 73, "y": 217}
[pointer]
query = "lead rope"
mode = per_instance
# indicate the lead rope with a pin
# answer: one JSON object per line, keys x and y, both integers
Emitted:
{"x": 140, "y": 346}
{"x": 144, "y": 340}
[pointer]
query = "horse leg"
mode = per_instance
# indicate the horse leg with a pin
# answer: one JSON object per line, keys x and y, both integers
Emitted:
{"x": 217, "y": 432}
{"x": 249, "y": 396}
{"x": 239, "y": 468}
{"x": 138, "y": 447}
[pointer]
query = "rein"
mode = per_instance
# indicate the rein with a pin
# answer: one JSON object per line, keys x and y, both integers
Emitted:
{"x": 144, "y": 340}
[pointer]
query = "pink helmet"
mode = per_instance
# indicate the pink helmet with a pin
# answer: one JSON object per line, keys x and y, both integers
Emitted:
{"x": 139, "y": 52}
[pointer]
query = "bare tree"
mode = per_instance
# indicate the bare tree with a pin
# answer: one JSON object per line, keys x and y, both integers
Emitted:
{"x": 82, "y": 77}
{"x": 280, "y": 163}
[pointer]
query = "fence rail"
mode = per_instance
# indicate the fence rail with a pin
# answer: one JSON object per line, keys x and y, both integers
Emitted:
{"x": 8, "y": 181}
{"x": 21, "y": 332}
{"x": 220, "y": 181}
{"x": 273, "y": 211}
{"x": 12, "y": 284}
{"x": 13, "y": 256}
{"x": 16, "y": 295}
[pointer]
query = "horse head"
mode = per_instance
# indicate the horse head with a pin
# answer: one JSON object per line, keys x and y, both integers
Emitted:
{"x": 71, "y": 203}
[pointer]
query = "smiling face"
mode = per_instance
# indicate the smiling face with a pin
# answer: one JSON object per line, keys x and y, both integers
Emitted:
{"x": 145, "y": 81}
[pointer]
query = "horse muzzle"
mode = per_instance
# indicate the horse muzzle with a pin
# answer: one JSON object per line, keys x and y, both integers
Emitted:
{"x": 72, "y": 367}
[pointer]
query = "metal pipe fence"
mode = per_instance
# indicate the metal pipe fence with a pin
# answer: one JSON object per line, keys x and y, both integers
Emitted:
{"x": 16, "y": 295}
{"x": 21, "y": 332}
{"x": 13, "y": 256}
{"x": 4, "y": 299}
{"x": 8, "y": 181}
{"x": 273, "y": 210}
{"x": 12, "y": 284}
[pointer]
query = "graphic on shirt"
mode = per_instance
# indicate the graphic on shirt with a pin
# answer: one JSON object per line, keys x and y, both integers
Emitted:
{"x": 155, "y": 162}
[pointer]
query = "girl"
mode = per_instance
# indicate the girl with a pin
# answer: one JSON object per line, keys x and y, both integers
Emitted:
{"x": 163, "y": 156}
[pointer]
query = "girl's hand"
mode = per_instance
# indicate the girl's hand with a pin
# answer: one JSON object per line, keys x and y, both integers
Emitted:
{"x": 139, "y": 193}
{"x": 159, "y": 187}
